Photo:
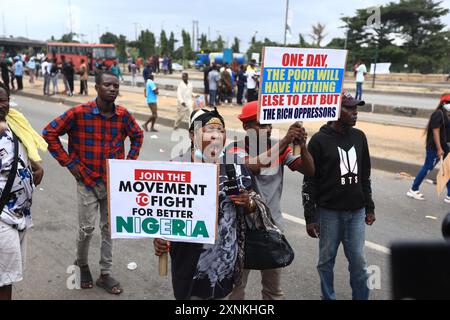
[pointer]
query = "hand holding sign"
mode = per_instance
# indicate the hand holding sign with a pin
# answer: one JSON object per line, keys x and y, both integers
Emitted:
{"x": 162, "y": 247}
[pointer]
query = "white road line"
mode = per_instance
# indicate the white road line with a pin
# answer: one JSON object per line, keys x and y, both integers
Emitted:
{"x": 369, "y": 244}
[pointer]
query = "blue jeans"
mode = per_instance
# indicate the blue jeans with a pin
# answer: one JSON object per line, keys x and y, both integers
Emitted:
{"x": 359, "y": 90}
{"x": 212, "y": 97}
{"x": 347, "y": 227}
{"x": 431, "y": 159}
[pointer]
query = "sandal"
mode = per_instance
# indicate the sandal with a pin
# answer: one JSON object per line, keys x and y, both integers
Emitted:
{"x": 86, "y": 281}
{"x": 110, "y": 285}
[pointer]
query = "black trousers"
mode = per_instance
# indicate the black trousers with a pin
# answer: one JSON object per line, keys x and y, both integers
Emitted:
{"x": 19, "y": 82}
{"x": 240, "y": 93}
{"x": 252, "y": 95}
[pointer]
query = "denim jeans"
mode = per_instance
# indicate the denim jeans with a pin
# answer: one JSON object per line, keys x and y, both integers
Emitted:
{"x": 212, "y": 97}
{"x": 91, "y": 204}
{"x": 358, "y": 90}
{"x": 431, "y": 159}
{"x": 347, "y": 227}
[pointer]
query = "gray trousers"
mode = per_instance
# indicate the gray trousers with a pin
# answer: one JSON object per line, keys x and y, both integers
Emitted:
{"x": 90, "y": 204}
{"x": 182, "y": 112}
{"x": 270, "y": 281}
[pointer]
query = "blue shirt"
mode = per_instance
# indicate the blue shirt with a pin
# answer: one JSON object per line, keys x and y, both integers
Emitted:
{"x": 149, "y": 87}
{"x": 18, "y": 69}
{"x": 31, "y": 64}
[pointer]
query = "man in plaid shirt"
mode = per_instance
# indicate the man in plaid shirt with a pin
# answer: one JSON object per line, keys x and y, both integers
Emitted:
{"x": 97, "y": 131}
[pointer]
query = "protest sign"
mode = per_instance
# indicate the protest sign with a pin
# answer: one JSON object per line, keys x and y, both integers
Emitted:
{"x": 301, "y": 84}
{"x": 167, "y": 200}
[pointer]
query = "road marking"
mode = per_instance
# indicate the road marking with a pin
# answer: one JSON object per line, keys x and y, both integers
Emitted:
{"x": 369, "y": 244}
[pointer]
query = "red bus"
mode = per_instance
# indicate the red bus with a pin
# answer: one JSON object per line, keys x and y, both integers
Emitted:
{"x": 91, "y": 53}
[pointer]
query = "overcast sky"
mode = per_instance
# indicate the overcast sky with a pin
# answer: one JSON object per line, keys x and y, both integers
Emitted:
{"x": 242, "y": 18}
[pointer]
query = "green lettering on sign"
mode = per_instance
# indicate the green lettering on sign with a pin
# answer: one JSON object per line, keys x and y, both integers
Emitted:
{"x": 178, "y": 228}
{"x": 150, "y": 225}
{"x": 200, "y": 229}
{"x": 122, "y": 224}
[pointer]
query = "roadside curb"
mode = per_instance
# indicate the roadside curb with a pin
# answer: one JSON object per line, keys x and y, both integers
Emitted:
{"x": 379, "y": 163}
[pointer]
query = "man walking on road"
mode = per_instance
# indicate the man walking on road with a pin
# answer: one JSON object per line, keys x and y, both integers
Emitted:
{"x": 338, "y": 200}
{"x": 97, "y": 131}
{"x": 185, "y": 100}
{"x": 151, "y": 92}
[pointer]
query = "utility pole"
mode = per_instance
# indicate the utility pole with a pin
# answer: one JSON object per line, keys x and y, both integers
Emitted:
{"x": 26, "y": 27}
{"x": 198, "y": 36}
{"x": 4, "y": 24}
{"x": 286, "y": 21}
{"x": 70, "y": 18}
{"x": 135, "y": 31}
{"x": 195, "y": 35}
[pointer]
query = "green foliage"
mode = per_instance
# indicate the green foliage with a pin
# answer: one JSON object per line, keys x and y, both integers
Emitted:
{"x": 235, "y": 46}
{"x": 146, "y": 44}
{"x": 109, "y": 38}
{"x": 163, "y": 48}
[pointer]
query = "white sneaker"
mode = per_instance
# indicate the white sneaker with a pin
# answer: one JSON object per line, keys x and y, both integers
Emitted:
{"x": 447, "y": 199}
{"x": 416, "y": 195}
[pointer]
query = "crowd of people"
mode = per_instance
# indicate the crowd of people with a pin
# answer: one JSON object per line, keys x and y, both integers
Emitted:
{"x": 224, "y": 83}
{"x": 337, "y": 203}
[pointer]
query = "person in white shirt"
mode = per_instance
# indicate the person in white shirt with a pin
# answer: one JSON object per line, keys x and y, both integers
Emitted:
{"x": 45, "y": 69}
{"x": 361, "y": 71}
{"x": 252, "y": 77}
{"x": 185, "y": 100}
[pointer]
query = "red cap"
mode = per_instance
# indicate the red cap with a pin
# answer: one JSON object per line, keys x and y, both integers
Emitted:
{"x": 445, "y": 97}
{"x": 249, "y": 112}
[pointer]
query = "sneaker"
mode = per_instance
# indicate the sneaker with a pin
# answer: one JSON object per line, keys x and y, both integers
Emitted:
{"x": 416, "y": 195}
{"x": 447, "y": 199}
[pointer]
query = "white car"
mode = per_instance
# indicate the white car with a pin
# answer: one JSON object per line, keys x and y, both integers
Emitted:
{"x": 177, "y": 67}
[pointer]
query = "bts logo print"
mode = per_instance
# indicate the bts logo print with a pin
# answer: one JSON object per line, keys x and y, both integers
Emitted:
{"x": 349, "y": 166}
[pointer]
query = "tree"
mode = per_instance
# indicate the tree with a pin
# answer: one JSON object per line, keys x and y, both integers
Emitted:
{"x": 171, "y": 43}
{"x": 420, "y": 39}
{"x": 68, "y": 37}
{"x": 121, "y": 47}
{"x": 318, "y": 34}
{"x": 420, "y": 26}
{"x": 204, "y": 45}
{"x": 163, "y": 43}
{"x": 257, "y": 46}
{"x": 302, "y": 42}
{"x": 109, "y": 38}
{"x": 146, "y": 44}
{"x": 220, "y": 43}
{"x": 187, "y": 49}
{"x": 235, "y": 46}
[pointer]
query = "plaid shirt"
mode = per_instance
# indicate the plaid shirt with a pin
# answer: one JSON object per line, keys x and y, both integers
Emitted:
{"x": 93, "y": 139}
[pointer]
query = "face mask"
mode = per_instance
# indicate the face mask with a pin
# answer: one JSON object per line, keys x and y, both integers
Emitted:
{"x": 447, "y": 106}
{"x": 199, "y": 153}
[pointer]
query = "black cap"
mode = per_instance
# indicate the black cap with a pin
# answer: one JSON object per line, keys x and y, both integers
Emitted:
{"x": 349, "y": 101}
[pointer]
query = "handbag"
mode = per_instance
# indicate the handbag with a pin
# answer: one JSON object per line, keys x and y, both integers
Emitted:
{"x": 266, "y": 247}
{"x": 6, "y": 193}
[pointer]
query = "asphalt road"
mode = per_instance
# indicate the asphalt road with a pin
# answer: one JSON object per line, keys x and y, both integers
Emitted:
{"x": 51, "y": 243}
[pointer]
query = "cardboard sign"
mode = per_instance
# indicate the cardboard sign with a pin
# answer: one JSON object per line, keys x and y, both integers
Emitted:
{"x": 169, "y": 200}
{"x": 301, "y": 84}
